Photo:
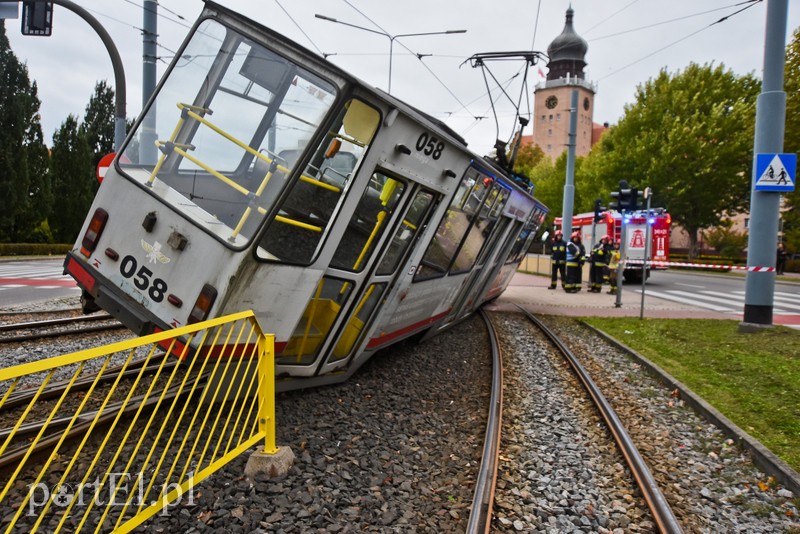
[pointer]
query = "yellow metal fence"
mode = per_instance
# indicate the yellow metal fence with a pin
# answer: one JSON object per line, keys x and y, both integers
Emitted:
{"x": 144, "y": 439}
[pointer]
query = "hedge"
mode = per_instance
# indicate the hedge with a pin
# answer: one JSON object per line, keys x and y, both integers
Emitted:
{"x": 33, "y": 249}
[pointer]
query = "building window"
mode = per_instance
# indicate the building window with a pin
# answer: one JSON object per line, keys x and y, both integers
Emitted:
{"x": 549, "y": 148}
{"x": 558, "y": 116}
{"x": 544, "y": 118}
{"x": 551, "y": 118}
{"x": 549, "y": 131}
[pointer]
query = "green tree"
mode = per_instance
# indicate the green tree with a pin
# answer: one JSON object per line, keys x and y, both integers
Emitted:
{"x": 689, "y": 136}
{"x": 528, "y": 156}
{"x": 791, "y": 217}
{"x": 26, "y": 197}
{"x": 549, "y": 178}
{"x": 69, "y": 171}
{"x": 725, "y": 240}
{"x": 98, "y": 127}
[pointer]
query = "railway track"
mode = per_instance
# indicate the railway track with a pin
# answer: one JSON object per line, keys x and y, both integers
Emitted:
{"x": 402, "y": 446}
{"x": 659, "y": 507}
{"x": 18, "y": 332}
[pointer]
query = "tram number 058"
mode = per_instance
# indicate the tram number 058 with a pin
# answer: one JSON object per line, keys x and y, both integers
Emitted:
{"x": 155, "y": 287}
{"x": 430, "y": 145}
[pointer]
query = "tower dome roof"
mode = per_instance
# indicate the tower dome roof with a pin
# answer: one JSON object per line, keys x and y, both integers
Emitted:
{"x": 568, "y": 48}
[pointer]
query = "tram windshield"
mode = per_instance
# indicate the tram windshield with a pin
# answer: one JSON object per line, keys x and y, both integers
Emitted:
{"x": 226, "y": 130}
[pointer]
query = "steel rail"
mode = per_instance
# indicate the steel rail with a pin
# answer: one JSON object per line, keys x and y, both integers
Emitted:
{"x": 59, "y": 333}
{"x": 23, "y": 396}
{"x": 480, "y": 517}
{"x": 662, "y": 513}
{"x": 84, "y": 423}
{"x": 53, "y": 322}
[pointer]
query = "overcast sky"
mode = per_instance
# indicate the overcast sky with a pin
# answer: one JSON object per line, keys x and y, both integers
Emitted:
{"x": 630, "y": 41}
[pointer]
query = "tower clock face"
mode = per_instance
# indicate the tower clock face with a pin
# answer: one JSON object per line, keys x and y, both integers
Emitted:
{"x": 551, "y": 102}
{"x": 586, "y": 103}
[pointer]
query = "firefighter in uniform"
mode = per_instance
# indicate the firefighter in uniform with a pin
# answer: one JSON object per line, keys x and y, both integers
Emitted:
{"x": 598, "y": 269}
{"x": 575, "y": 259}
{"x": 558, "y": 260}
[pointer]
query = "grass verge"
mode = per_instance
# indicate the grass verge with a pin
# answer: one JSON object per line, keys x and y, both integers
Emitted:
{"x": 753, "y": 379}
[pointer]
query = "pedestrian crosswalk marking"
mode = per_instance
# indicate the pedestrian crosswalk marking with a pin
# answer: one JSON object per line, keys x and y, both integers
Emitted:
{"x": 784, "y": 303}
{"x": 684, "y": 300}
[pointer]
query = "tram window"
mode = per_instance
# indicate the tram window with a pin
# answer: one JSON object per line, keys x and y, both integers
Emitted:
{"x": 480, "y": 231}
{"x": 409, "y": 227}
{"x": 368, "y": 222}
{"x": 524, "y": 239}
{"x": 208, "y": 141}
{"x": 454, "y": 226}
{"x": 303, "y": 219}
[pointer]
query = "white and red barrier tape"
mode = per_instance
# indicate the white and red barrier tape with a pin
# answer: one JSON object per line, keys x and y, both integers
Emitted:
{"x": 708, "y": 266}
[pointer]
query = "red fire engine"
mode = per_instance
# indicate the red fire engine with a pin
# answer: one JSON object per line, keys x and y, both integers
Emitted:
{"x": 635, "y": 234}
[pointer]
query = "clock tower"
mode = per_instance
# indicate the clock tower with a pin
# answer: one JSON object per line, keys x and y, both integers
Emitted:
{"x": 566, "y": 55}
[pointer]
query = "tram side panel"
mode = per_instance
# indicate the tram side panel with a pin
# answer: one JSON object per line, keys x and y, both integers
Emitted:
{"x": 436, "y": 286}
{"x": 229, "y": 207}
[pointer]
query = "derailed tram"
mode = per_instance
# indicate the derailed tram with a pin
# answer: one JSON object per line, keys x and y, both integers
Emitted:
{"x": 262, "y": 177}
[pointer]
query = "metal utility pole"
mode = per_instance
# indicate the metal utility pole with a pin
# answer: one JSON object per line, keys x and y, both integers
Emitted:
{"x": 623, "y": 253}
{"x": 148, "y": 154}
{"x": 569, "y": 185}
{"x": 648, "y": 194}
{"x": 764, "y": 205}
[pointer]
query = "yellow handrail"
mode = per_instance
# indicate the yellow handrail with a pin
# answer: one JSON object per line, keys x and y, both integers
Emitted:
{"x": 163, "y": 454}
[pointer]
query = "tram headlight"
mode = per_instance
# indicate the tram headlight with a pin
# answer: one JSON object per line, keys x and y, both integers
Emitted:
{"x": 202, "y": 306}
{"x": 94, "y": 231}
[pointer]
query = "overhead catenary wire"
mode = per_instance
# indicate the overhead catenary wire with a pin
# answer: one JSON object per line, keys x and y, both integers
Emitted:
{"x": 668, "y": 21}
{"x": 750, "y": 3}
{"x": 310, "y": 40}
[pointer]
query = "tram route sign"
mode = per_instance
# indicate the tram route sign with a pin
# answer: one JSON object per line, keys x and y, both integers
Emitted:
{"x": 776, "y": 172}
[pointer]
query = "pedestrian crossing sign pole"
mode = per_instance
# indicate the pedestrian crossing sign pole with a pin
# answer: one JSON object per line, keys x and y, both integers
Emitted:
{"x": 776, "y": 172}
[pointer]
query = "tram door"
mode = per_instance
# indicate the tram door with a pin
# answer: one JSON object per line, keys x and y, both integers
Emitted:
{"x": 492, "y": 227}
{"x": 387, "y": 220}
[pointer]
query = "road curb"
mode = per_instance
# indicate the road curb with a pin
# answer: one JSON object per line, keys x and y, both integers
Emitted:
{"x": 765, "y": 459}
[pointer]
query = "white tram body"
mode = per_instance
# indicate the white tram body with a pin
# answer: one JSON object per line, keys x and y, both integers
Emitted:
{"x": 262, "y": 177}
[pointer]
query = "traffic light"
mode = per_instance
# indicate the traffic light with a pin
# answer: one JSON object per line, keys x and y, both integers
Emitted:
{"x": 598, "y": 211}
{"x": 614, "y": 204}
{"x": 633, "y": 201}
{"x": 37, "y": 17}
{"x": 626, "y": 198}
{"x": 620, "y": 197}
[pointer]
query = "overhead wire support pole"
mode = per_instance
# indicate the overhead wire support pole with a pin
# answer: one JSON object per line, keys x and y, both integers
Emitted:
{"x": 569, "y": 182}
{"x": 765, "y": 205}
{"x": 148, "y": 153}
{"x": 647, "y": 237}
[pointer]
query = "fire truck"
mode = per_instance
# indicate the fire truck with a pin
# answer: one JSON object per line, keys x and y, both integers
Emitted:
{"x": 633, "y": 250}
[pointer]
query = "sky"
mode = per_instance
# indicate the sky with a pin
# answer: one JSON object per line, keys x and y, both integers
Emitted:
{"x": 630, "y": 42}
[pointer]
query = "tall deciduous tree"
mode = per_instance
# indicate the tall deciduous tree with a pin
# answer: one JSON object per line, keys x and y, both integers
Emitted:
{"x": 98, "y": 127}
{"x": 69, "y": 170}
{"x": 689, "y": 136}
{"x": 791, "y": 139}
{"x": 25, "y": 199}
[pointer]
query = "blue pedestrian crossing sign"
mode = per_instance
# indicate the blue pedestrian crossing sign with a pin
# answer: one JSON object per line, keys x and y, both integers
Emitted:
{"x": 776, "y": 172}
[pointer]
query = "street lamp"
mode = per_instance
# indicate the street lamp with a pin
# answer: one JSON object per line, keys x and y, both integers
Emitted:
{"x": 391, "y": 38}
